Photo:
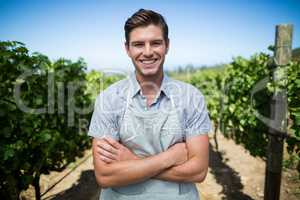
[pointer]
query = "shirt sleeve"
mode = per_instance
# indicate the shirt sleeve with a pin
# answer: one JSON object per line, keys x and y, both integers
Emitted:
{"x": 197, "y": 118}
{"x": 103, "y": 122}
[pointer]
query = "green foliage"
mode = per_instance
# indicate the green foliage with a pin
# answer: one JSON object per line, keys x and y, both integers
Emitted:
{"x": 239, "y": 115}
{"x": 33, "y": 142}
{"x": 238, "y": 97}
{"x": 296, "y": 54}
{"x": 97, "y": 81}
{"x": 209, "y": 82}
{"x": 293, "y": 87}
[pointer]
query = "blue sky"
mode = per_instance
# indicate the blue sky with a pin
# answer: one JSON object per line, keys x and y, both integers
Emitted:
{"x": 201, "y": 32}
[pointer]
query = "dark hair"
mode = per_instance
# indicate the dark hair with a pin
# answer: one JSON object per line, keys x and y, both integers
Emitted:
{"x": 144, "y": 18}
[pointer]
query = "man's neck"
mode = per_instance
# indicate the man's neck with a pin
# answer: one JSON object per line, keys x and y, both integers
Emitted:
{"x": 150, "y": 85}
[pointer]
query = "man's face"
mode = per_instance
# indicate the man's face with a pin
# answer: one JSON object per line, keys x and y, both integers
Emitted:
{"x": 147, "y": 49}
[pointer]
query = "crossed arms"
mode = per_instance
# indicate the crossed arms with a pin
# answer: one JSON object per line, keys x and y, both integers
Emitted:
{"x": 116, "y": 165}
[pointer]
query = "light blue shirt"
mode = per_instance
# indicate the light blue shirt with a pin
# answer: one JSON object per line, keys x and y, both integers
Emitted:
{"x": 110, "y": 106}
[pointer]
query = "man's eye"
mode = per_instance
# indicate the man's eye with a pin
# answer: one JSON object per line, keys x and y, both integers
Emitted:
{"x": 156, "y": 43}
{"x": 138, "y": 45}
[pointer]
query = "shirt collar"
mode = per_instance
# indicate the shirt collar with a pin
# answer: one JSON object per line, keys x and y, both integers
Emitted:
{"x": 136, "y": 86}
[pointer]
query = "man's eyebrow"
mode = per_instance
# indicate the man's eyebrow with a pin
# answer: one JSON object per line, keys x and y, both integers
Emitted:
{"x": 136, "y": 42}
{"x": 157, "y": 40}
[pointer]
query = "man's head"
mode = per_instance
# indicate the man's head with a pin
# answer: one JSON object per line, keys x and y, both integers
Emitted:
{"x": 147, "y": 42}
{"x": 143, "y": 18}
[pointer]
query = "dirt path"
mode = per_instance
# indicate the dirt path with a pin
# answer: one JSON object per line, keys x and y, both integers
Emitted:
{"x": 233, "y": 175}
{"x": 236, "y": 175}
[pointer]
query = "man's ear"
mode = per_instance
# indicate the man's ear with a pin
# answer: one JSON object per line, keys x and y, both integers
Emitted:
{"x": 126, "y": 45}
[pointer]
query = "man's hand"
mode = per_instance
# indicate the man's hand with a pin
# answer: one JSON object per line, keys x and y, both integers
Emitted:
{"x": 179, "y": 152}
{"x": 193, "y": 170}
{"x": 111, "y": 151}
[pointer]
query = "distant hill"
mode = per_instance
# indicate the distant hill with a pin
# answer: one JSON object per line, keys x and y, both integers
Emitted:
{"x": 296, "y": 54}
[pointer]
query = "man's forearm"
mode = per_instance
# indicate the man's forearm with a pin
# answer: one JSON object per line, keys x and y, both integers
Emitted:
{"x": 132, "y": 171}
{"x": 187, "y": 172}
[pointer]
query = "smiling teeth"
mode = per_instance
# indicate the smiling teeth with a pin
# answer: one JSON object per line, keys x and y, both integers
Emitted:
{"x": 148, "y": 61}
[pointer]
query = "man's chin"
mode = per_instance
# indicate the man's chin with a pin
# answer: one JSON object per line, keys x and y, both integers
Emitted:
{"x": 150, "y": 72}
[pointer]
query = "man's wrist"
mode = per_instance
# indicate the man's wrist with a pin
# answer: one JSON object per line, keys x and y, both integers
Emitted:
{"x": 168, "y": 159}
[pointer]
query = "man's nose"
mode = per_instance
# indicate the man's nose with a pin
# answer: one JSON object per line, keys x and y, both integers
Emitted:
{"x": 148, "y": 51}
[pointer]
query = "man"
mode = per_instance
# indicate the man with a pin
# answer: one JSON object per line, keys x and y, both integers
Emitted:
{"x": 150, "y": 131}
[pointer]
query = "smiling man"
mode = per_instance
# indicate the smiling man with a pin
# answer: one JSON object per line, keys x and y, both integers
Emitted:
{"x": 150, "y": 131}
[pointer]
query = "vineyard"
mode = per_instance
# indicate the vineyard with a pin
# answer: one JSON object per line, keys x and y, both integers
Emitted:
{"x": 44, "y": 113}
{"x": 228, "y": 91}
{"x": 46, "y": 106}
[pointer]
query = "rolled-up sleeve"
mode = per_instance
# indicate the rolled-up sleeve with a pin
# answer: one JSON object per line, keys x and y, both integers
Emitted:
{"x": 103, "y": 121}
{"x": 197, "y": 118}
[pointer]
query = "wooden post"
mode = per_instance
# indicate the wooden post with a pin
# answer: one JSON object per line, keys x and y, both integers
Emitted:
{"x": 278, "y": 122}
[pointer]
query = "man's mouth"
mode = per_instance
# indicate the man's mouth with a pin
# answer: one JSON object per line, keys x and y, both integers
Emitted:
{"x": 148, "y": 61}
